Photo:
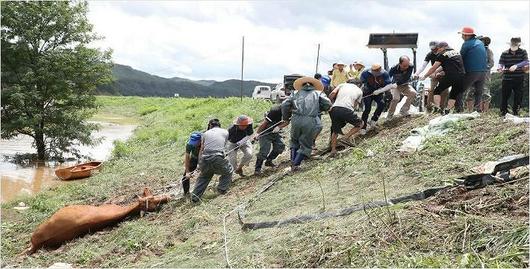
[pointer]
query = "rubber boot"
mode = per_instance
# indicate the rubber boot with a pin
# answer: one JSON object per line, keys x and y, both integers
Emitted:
{"x": 185, "y": 185}
{"x": 293, "y": 154}
{"x": 259, "y": 164}
{"x": 298, "y": 159}
{"x": 269, "y": 163}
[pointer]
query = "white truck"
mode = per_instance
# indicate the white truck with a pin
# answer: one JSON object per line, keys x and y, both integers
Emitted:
{"x": 261, "y": 92}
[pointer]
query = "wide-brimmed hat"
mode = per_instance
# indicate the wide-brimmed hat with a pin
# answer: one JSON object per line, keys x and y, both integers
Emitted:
{"x": 375, "y": 67}
{"x": 243, "y": 120}
{"x": 467, "y": 31}
{"x": 299, "y": 83}
{"x": 515, "y": 41}
{"x": 358, "y": 63}
{"x": 195, "y": 138}
{"x": 341, "y": 63}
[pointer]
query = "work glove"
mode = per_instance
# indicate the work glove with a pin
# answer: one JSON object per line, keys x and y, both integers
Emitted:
{"x": 276, "y": 129}
{"x": 513, "y": 68}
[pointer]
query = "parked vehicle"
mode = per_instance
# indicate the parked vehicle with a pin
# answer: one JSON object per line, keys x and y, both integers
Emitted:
{"x": 286, "y": 87}
{"x": 277, "y": 92}
{"x": 261, "y": 92}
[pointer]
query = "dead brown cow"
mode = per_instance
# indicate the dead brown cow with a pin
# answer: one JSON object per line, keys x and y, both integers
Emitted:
{"x": 76, "y": 220}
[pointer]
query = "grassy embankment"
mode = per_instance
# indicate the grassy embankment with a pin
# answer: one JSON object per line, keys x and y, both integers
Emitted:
{"x": 484, "y": 227}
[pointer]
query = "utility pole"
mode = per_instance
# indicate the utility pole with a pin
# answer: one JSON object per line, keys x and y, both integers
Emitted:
{"x": 385, "y": 59}
{"x": 242, "y": 65}
{"x": 318, "y": 56}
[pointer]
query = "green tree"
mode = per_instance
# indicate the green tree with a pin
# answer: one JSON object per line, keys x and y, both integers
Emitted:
{"x": 50, "y": 73}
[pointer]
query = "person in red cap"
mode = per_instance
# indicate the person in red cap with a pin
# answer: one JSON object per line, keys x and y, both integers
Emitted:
{"x": 239, "y": 138}
{"x": 475, "y": 60}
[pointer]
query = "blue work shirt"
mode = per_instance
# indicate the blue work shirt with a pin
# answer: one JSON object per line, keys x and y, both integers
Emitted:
{"x": 372, "y": 82}
{"x": 474, "y": 55}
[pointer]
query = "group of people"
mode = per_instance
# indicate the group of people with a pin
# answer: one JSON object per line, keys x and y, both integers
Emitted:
{"x": 215, "y": 151}
{"x": 456, "y": 76}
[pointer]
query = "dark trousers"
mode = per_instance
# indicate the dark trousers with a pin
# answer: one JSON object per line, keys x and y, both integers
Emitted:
{"x": 186, "y": 181}
{"x": 475, "y": 82}
{"x": 211, "y": 165}
{"x": 268, "y": 141}
{"x": 515, "y": 85}
{"x": 368, "y": 107}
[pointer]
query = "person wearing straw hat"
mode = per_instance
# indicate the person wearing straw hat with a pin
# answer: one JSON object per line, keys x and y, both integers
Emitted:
{"x": 212, "y": 161}
{"x": 512, "y": 65}
{"x": 305, "y": 106}
{"x": 475, "y": 60}
{"x": 339, "y": 75}
{"x": 451, "y": 61}
{"x": 270, "y": 139}
{"x": 239, "y": 139}
{"x": 373, "y": 79}
{"x": 355, "y": 70}
{"x": 191, "y": 159}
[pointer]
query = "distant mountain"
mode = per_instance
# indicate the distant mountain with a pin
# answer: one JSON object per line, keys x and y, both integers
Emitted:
{"x": 129, "y": 81}
{"x": 200, "y": 82}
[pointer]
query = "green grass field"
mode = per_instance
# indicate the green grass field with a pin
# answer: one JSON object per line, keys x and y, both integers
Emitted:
{"x": 486, "y": 227}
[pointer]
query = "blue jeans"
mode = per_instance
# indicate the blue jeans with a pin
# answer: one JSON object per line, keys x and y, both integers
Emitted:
{"x": 368, "y": 107}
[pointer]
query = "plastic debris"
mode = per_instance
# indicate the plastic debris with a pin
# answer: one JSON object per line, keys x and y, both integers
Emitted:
{"x": 21, "y": 206}
{"x": 515, "y": 119}
{"x": 60, "y": 265}
{"x": 437, "y": 127}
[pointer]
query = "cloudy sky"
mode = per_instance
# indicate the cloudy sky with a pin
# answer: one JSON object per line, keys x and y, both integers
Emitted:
{"x": 202, "y": 40}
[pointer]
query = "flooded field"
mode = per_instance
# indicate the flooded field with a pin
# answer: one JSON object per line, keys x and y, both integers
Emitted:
{"x": 29, "y": 179}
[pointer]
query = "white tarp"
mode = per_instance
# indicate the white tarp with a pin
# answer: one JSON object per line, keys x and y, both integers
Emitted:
{"x": 515, "y": 119}
{"x": 436, "y": 127}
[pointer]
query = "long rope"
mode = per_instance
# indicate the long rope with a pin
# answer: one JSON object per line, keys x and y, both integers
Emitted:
{"x": 407, "y": 82}
{"x": 258, "y": 135}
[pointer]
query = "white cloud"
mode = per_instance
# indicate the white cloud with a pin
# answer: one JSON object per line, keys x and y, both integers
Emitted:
{"x": 202, "y": 40}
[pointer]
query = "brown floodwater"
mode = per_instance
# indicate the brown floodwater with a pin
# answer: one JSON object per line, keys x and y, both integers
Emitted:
{"x": 29, "y": 179}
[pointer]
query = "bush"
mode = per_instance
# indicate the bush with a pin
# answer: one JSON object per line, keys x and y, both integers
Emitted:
{"x": 495, "y": 85}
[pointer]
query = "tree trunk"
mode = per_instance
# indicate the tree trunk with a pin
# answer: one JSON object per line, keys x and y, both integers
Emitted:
{"x": 41, "y": 147}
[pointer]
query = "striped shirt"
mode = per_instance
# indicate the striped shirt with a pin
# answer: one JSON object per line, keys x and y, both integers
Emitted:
{"x": 508, "y": 59}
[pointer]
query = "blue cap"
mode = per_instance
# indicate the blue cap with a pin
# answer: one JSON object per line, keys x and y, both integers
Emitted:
{"x": 195, "y": 138}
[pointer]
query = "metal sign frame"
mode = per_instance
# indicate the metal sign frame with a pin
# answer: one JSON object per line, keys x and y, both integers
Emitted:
{"x": 386, "y": 41}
